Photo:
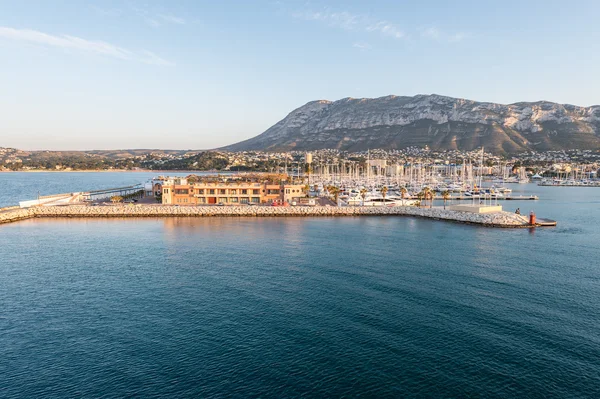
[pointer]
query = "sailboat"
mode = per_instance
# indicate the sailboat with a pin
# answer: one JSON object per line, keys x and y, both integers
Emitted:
{"x": 523, "y": 179}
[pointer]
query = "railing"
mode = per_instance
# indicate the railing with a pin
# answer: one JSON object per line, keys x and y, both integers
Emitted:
{"x": 65, "y": 195}
{"x": 135, "y": 187}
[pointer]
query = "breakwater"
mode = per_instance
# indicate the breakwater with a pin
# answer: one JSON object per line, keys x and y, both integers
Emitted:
{"x": 12, "y": 214}
{"x": 497, "y": 219}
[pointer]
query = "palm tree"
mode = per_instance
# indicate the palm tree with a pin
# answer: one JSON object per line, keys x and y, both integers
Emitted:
{"x": 384, "y": 191}
{"x": 335, "y": 191}
{"x": 403, "y": 192}
{"x": 427, "y": 194}
{"x": 445, "y": 196}
{"x": 363, "y": 194}
{"x": 421, "y": 196}
{"x": 431, "y": 197}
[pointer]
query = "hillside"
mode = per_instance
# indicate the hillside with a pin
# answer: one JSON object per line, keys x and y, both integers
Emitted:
{"x": 442, "y": 123}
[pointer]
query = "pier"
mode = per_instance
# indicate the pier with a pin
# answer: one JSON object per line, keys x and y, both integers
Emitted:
{"x": 80, "y": 197}
{"x": 488, "y": 198}
{"x": 546, "y": 222}
{"x": 97, "y": 195}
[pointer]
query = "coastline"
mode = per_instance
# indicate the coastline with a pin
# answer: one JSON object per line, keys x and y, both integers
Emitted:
{"x": 499, "y": 219}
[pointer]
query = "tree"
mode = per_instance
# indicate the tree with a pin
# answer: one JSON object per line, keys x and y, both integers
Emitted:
{"x": 116, "y": 198}
{"x": 335, "y": 191}
{"x": 431, "y": 195}
{"x": 421, "y": 196}
{"x": 403, "y": 192}
{"x": 445, "y": 196}
{"x": 363, "y": 194}
{"x": 384, "y": 191}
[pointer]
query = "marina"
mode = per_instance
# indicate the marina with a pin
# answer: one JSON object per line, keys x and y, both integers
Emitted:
{"x": 300, "y": 199}
{"x": 461, "y": 196}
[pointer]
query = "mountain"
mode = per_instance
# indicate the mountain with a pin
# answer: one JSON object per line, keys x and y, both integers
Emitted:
{"x": 442, "y": 123}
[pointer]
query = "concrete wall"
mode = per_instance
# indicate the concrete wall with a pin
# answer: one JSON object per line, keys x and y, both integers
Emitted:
{"x": 47, "y": 202}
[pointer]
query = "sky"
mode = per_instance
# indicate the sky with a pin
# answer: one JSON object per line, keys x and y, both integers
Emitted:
{"x": 77, "y": 75}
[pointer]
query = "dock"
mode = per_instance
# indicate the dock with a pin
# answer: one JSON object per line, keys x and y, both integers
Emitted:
{"x": 81, "y": 197}
{"x": 521, "y": 198}
{"x": 487, "y": 198}
{"x": 545, "y": 223}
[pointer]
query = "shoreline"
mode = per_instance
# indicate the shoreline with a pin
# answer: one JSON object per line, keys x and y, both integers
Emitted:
{"x": 497, "y": 220}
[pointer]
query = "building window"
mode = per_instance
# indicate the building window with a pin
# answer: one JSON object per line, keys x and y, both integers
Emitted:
{"x": 244, "y": 200}
{"x": 223, "y": 200}
{"x": 255, "y": 192}
{"x": 256, "y": 200}
{"x": 244, "y": 191}
{"x": 182, "y": 191}
{"x": 211, "y": 191}
{"x": 201, "y": 191}
{"x": 233, "y": 192}
{"x": 234, "y": 200}
{"x": 222, "y": 191}
{"x": 166, "y": 191}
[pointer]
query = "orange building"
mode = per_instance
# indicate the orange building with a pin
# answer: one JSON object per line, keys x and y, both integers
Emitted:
{"x": 235, "y": 191}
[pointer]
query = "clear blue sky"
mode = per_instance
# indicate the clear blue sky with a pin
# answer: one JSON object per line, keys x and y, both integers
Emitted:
{"x": 201, "y": 74}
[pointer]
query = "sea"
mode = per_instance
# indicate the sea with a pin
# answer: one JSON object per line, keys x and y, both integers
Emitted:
{"x": 381, "y": 307}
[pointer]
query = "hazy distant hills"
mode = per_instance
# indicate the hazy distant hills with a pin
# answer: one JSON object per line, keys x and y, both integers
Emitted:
{"x": 440, "y": 122}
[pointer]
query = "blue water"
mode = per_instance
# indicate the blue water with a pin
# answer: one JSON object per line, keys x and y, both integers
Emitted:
{"x": 316, "y": 307}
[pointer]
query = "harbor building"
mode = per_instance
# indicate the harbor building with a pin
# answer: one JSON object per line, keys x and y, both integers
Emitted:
{"x": 231, "y": 190}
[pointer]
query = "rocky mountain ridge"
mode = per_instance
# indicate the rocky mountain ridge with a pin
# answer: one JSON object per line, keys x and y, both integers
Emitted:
{"x": 436, "y": 121}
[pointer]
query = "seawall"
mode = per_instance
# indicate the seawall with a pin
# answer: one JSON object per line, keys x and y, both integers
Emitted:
{"x": 499, "y": 219}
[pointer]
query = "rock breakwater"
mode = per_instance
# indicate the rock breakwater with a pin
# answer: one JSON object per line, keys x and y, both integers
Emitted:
{"x": 498, "y": 219}
{"x": 13, "y": 215}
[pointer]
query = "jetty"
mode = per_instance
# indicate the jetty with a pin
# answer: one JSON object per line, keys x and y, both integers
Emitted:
{"x": 488, "y": 197}
{"x": 546, "y": 222}
{"x": 482, "y": 216}
{"x": 570, "y": 183}
{"x": 80, "y": 197}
